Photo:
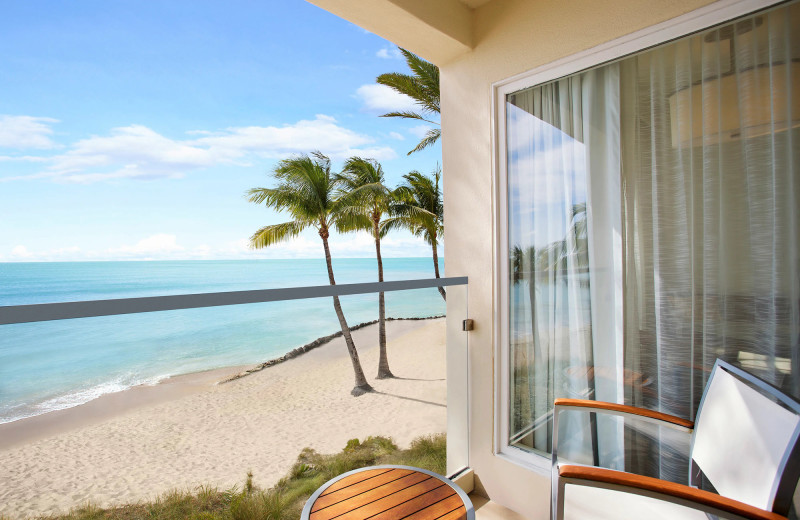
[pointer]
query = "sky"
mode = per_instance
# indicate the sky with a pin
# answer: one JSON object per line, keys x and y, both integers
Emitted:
{"x": 131, "y": 130}
{"x": 546, "y": 178}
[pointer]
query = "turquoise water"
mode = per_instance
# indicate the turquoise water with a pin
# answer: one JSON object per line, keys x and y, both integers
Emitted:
{"x": 54, "y": 365}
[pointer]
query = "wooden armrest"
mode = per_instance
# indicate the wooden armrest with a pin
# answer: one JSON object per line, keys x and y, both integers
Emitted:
{"x": 625, "y": 409}
{"x": 664, "y": 487}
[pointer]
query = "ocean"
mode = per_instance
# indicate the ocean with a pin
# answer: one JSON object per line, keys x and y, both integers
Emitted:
{"x": 55, "y": 365}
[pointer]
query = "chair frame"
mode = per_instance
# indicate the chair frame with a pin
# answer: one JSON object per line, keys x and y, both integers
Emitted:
{"x": 689, "y": 496}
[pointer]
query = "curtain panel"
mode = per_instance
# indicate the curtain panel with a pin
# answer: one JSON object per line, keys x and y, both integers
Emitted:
{"x": 654, "y": 226}
{"x": 711, "y": 218}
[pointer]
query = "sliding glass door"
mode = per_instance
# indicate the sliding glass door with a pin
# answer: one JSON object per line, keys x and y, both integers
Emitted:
{"x": 561, "y": 136}
{"x": 653, "y": 210}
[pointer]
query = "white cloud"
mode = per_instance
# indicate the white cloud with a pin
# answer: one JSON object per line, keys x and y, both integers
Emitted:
{"x": 25, "y": 132}
{"x": 419, "y": 131}
{"x": 66, "y": 250}
{"x": 22, "y": 158}
{"x": 300, "y": 247}
{"x": 380, "y": 98}
{"x": 389, "y": 53}
{"x": 166, "y": 246}
{"x": 405, "y": 247}
{"x": 352, "y": 245}
{"x": 322, "y": 133}
{"x": 138, "y": 152}
{"x": 159, "y": 244}
{"x": 21, "y": 252}
{"x": 396, "y": 135}
{"x": 129, "y": 152}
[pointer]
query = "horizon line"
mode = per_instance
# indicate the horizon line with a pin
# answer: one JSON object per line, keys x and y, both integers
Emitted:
{"x": 441, "y": 258}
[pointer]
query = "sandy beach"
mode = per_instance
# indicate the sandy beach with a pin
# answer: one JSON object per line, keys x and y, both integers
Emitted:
{"x": 189, "y": 431}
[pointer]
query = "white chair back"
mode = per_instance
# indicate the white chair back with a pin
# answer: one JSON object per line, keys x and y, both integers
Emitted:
{"x": 744, "y": 442}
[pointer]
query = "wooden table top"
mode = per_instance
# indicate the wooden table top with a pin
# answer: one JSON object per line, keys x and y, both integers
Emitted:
{"x": 389, "y": 493}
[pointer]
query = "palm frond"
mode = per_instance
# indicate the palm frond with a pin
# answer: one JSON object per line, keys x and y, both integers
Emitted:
{"x": 409, "y": 115}
{"x": 362, "y": 190}
{"x": 306, "y": 189}
{"x": 269, "y": 235}
{"x": 363, "y": 171}
{"x": 368, "y": 195}
{"x": 309, "y": 180}
{"x": 423, "y": 87}
{"x": 403, "y": 83}
{"x": 425, "y": 72}
{"x": 322, "y": 160}
{"x": 412, "y": 213}
{"x": 418, "y": 206}
{"x": 392, "y": 224}
{"x": 276, "y": 198}
{"x": 415, "y": 227}
{"x": 349, "y": 221}
{"x": 423, "y": 96}
{"x": 429, "y": 140}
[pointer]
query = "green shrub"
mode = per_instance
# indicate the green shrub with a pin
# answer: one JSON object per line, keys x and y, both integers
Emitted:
{"x": 285, "y": 500}
{"x": 260, "y": 505}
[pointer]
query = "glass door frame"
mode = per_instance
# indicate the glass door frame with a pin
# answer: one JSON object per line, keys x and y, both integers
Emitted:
{"x": 701, "y": 19}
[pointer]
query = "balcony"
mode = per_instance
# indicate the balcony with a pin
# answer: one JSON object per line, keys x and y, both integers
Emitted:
{"x": 258, "y": 412}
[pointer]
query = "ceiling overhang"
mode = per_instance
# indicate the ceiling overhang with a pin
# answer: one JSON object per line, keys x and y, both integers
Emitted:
{"x": 438, "y": 31}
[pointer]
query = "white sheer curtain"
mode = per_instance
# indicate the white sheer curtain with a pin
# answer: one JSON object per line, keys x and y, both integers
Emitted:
{"x": 711, "y": 188}
{"x": 559, "y": 136}
{"x": 654, "y": 226}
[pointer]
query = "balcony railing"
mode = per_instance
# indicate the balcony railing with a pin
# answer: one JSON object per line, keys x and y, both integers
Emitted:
{"x": 175, "y": 323}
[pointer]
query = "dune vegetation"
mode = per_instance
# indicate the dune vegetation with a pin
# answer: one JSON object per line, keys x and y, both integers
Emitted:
{"x": 283, "y": 501}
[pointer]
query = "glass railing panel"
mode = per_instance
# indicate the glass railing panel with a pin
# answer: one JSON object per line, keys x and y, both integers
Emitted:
{"x": 458, "y": 388}
{"x": 413, "y": 404}
{"x": 156, "y": 405}
{"x": 74, "y": 360}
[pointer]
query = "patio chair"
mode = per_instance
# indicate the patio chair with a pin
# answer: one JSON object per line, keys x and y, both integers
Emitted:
{"x": 745, "y": 443}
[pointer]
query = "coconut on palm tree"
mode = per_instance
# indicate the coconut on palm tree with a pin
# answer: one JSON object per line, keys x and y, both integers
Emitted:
{"x": 307, "y": 190}
{"x": 419, "y": 209}
{"x": 422, "y": 85}
{"x": 368, "y": 200}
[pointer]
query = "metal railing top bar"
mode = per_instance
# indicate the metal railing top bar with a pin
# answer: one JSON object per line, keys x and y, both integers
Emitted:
{"x": 86, "y": 309}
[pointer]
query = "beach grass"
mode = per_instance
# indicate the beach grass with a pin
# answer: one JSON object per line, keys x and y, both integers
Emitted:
{"x": 285, "y": 500}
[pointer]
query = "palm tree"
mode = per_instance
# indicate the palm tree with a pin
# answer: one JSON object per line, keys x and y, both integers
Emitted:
{"x": 570, "y": 251}
{"x": 422, "y": 85}
{"x": 524, "y": 268}
{"x": 307, "y": 190}
{"x": 420, "y": 210}
{"x": 368, "y": 200}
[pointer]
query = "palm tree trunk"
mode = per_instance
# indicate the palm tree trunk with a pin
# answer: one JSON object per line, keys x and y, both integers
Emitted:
{"x": 361, "y": 385}
{"x": 383, "y": 364}
{"x": 436, "y": 269}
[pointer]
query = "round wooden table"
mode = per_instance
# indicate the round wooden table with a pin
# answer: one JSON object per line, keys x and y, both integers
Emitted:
{"x": 389, "y": 493}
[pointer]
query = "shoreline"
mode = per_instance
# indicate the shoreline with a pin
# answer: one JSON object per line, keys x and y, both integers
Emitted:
{"x": 322, "y": 340}
{"x": 168, "y": 388}
{"x": 189, "y": 430}
{"x": 107, "y": 406}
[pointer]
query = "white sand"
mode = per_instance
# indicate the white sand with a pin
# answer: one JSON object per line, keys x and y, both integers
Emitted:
{"x": 188, "y": 431}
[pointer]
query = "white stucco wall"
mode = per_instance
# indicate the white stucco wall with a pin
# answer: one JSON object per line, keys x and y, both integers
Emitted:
{"x": 510, "y": 37}
{"x": 474, "y": 50}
